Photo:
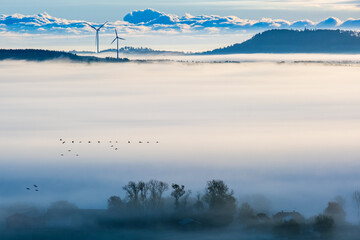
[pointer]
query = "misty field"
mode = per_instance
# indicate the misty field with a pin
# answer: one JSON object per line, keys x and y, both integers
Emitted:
{"x": 287, "y": 134}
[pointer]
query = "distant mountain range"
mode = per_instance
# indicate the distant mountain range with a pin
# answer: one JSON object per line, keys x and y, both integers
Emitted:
{"x": 296, "y": 41}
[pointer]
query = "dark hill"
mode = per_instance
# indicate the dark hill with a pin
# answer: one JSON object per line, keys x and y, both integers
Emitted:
{"x": 294, "y": 41}
{"x": 46, "y": 55}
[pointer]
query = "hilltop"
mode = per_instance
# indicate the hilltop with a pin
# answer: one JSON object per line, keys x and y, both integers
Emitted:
{"x": 296, "y": 41}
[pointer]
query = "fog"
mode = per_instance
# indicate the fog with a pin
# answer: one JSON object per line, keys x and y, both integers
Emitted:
{"x": 289, "y": 132}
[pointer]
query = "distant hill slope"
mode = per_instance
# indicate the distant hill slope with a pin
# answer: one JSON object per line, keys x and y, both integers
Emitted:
{"x": 46, "y": 55}
{"x": 294, "y": 41}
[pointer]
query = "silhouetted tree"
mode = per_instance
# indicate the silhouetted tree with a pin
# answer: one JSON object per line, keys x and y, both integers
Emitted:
{"x": 143, "y": 189}
{"x": 246, "y": 215}
{"x": 132, "y": 193}
{"x": 177, "y": 193}
{"x": 221, "y": 202}
{"x": 199, "y": 205}
{"x": 156, "y": 188}
{"x": 115, "y": 203}
{"x": 336, "y": 211}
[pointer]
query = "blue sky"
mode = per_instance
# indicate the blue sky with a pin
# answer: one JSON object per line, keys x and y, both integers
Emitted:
{"x": 115, "y": 9}
{"x": 186, "y": 24}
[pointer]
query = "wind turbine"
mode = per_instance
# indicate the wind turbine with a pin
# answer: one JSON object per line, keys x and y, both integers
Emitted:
{"x": 97, "y": 35}
{"x": 117, "y": 38}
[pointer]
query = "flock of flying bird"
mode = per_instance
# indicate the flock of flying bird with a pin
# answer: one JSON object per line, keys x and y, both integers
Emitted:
{"x": 117, "y": 38}
{"x": 35, "y": 188}
{"x": 113, "y": 144}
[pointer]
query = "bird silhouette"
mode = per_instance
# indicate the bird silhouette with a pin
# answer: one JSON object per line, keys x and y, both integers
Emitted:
{"x": 60, "y": 139}
{"x": 89, "y": 141}
{"x": 77, "y": 155}
{"x": 62, "y": 155}
{"x": 35, "y": 185}
{"x": 148, "y": 142}
{"x": 98, "y": 141}
{"x": 112, "y": 146}
{"x": 72, "y": 141}
{"x": 116, "y": 149}
{"x": 157, "y": 141}
{"x": 27, "y": 188}
{"x": 36, "y": 190}
{"x": 140, "y": 142}
{"x": 69, "y": 150}
{"x": 63, "y": 142}
{"x": 80, "y": 142}
{"x": 128, "y": 141}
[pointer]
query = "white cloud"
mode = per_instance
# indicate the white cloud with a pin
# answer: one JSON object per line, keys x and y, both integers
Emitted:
{"x": 149, "y": 20}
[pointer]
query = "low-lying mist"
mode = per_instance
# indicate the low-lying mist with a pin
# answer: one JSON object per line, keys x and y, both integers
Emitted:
{"x": 288, "y": 132}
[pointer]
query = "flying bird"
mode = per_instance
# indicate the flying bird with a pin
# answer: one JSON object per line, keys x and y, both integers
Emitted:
{"x": 27, "y": 188}
{"x": 35, "y": 185}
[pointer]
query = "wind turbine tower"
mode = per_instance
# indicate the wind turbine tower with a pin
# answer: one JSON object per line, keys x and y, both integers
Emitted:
{"x": 97, "y": 35}
{"x": 117, "y": 38}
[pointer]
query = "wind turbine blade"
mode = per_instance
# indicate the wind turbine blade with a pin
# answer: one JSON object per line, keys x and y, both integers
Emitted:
{"x": 113, "y": 41}
{"x": 102, "y": 25}
{"x": 121, "y": 38}
{"x": 91, "y": 25}
{"x": 116, "y": 32}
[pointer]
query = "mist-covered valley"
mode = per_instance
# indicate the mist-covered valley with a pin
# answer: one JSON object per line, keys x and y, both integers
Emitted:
{"x": 283, "y": 136}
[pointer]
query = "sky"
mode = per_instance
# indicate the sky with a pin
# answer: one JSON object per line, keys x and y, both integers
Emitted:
{"x": 174, "y": 25}
{"x": 112, "y": 10}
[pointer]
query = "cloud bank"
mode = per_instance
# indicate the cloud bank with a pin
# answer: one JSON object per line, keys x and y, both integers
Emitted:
{"x": 151, "y": 20}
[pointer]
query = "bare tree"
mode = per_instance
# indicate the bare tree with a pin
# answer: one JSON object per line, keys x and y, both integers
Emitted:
{"x": 157, "y": 188}
{"x": 132, "y": 193}
{"x": 143, "y": 189}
